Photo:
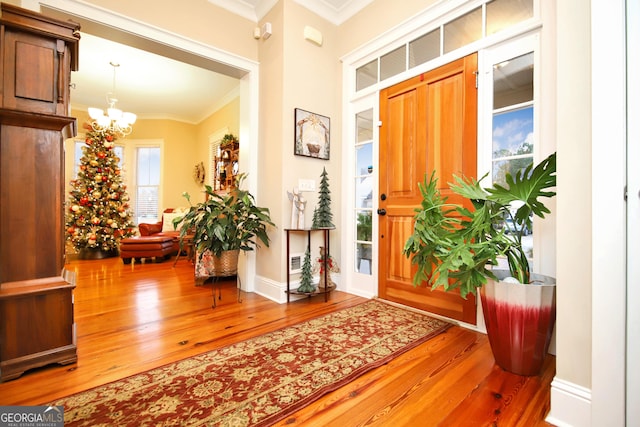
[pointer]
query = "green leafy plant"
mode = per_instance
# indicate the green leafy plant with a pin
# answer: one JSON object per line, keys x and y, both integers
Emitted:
{"x": 228, "y": 140}
{"x": 225, "y": 221}
{"x": 455, "y": 247}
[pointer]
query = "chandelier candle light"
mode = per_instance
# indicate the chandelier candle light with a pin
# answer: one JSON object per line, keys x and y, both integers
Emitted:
{"x": 115, "y": 120}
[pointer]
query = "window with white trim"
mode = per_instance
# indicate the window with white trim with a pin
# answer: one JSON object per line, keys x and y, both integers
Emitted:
{"x": 143, "y": 160}
{"x": 458, "y": 31}
{"x": 364, "y": 187}
{"x": 147, "y": 188}
{"x": 510, "y": 117}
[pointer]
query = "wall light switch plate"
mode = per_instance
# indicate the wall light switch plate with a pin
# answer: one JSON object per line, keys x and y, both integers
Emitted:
{"x": 306, "y": 185}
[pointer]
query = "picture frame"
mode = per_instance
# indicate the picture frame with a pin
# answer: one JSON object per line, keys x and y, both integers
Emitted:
{"x": 312, "y": 134}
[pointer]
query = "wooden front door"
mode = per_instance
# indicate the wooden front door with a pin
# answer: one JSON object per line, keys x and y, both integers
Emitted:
{"x": 428, "y": 123}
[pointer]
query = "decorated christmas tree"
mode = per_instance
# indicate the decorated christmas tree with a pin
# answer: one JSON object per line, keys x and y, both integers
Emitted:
{"x": 98, "y": 214}
{"x": 322, "y": 215}
{"x": 306, "y": 285}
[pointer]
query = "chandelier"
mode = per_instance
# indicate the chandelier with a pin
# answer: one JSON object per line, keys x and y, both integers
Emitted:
{"x": 115, "y": 120}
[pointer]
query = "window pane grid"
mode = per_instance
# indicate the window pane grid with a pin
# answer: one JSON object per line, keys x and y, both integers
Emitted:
{"x": 463, "y": 30}
{"x": 502, "y": 14}
{"x": 364, "y": 185}
{"x": 424, "y": 48}
{"x": 367, "y": 75}
{"x": 147, "y": 204}
{"x": 513, "y": 138}
{"x": 485, "y": 20}
{"x": 147, "y": 184}
{"x": 393, "y": 63}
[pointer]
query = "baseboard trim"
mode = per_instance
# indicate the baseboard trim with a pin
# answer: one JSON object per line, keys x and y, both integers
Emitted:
{"x": 276, "y": 291}
{"x": 570, "y": 404}
{"x": 270, "y": 289}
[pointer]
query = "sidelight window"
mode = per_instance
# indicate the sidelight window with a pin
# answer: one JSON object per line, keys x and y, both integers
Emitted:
{"x": 364, "y": 188}
{"x": 512, "y": 124}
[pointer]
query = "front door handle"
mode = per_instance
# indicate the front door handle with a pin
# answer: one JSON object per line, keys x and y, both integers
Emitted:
{"x": 382, "y": 212}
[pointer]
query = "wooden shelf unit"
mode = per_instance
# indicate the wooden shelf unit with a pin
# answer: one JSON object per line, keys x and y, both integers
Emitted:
{"x": 325, "y": 233}
{"x": 226, "y": 165}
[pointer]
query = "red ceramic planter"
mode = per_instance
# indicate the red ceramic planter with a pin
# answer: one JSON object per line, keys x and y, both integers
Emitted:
{"x": 519, "y": 320}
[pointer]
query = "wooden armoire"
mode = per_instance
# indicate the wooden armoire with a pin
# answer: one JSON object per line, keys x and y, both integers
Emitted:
{"x": 37, "y": 55}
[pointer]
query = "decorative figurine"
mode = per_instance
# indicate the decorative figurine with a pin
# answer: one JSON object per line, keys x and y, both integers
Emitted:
{"x": 298, "y": 204}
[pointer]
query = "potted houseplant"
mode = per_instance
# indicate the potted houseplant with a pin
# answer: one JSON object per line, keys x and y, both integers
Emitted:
{"x": 222, "y": 226}
{"x": 460, "y": 248}
{"x": 229, "y": 141}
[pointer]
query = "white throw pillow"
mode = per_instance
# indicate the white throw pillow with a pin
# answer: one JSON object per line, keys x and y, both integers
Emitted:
{"x": 167, "y": 221}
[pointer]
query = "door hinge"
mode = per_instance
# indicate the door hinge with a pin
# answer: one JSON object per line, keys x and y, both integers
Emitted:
{"x": 477, "y": 73}
{"x": 379, "y": 123}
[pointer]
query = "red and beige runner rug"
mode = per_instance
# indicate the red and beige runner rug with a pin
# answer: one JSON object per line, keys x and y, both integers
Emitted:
{"x": 261, "y": 380}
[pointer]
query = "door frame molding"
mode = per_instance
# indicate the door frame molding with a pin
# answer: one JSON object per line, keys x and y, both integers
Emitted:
{"x": 353, "y": 102}
{"x": 633, "y": 213}
{"x": 243, "y": 68}
{"x": 608, "y": 156}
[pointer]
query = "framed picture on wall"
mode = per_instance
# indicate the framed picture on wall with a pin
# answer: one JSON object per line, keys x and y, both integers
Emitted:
{"x": 312, "y": 135}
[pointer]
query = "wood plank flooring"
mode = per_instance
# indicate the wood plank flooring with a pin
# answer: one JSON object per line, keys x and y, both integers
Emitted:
{"x": 131, "y": 318}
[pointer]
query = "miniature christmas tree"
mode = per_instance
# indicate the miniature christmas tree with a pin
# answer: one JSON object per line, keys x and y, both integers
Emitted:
{"x": 98, "y": 213}
{"x": 306, "y": 284}
{"x": 322, "y": 215}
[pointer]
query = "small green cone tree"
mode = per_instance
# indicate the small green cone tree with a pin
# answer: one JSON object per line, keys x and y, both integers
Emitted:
{"x": 322, "y": 216}
{"x": 98, "y": 213}
{"x": 306, "y": 284}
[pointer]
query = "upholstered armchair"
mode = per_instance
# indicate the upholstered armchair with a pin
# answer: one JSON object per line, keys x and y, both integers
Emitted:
{"x": 164, "y": 227}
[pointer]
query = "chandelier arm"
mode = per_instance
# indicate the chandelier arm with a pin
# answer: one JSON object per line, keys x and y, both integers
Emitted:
{"x": 115, "y": 120}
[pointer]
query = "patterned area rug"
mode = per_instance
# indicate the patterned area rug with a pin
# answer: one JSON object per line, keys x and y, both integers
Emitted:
{"x": 261, "y": 380}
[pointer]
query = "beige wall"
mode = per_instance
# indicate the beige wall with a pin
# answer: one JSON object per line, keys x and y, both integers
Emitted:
{"x": 201, "y": 20}
{"x": 296, "y": 74}
{"x": 375, "y": 19}
{"x": 227, "y": 117}
{"x": 271, "y": 139}
{"x": 573, "y": 339}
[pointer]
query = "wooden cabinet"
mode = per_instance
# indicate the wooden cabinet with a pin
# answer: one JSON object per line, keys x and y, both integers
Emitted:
{"x": 226, "y": 163}
{"x": 36, "y": 302}
{"x": 37, "y": 326}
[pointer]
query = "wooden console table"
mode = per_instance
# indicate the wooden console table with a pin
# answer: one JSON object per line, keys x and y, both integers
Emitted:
{"x": 325, "y": 233}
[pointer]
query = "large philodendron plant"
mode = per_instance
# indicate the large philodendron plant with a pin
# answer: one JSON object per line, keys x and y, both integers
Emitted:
{"x": 225, "y": 221}
{"x": 455, "y": 247}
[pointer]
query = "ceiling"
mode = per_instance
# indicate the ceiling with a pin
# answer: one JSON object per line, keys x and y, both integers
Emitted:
{"x": 149, "y": 85}
{"x": 154, "y": 86}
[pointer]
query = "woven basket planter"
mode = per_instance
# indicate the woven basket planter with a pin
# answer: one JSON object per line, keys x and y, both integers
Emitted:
{"x": 208, "y": 265}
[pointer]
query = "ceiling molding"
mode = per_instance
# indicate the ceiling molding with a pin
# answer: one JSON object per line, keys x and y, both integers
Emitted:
{"x": 263, "y": 7}
{"x": 334, "y": 11}
{"x": 239, "y": 7}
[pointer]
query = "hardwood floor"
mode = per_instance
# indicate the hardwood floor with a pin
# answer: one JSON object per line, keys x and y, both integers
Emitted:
{"x": 133, "y": 318}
